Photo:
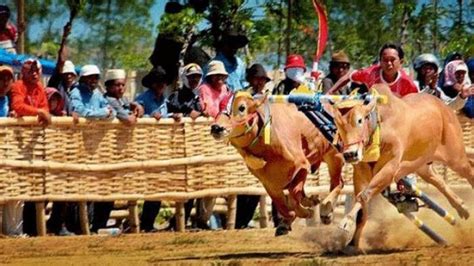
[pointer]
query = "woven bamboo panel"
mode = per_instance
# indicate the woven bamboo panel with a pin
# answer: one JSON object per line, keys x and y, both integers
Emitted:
{"x": 21, "y": 143}
{"x": 114, "y": 143}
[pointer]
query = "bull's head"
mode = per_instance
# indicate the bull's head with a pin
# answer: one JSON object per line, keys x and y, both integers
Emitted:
{"x": 354, "y": 122}
{"x": 239, "y": 120}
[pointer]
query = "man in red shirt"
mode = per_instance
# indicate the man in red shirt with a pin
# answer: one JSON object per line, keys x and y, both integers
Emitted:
{"x": 388, "y": 71}
{"x": 28, "y": 95}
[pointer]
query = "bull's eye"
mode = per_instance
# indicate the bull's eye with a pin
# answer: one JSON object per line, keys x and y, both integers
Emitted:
{"x": 242, "y": 108}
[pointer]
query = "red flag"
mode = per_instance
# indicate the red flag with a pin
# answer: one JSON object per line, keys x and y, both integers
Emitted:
{"x": 322, "y": 35}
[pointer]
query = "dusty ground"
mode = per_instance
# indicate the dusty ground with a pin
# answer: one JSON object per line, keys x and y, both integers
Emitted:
{"x": 390, "y": 239}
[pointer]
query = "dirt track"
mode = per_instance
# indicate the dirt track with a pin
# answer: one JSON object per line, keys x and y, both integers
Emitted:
{"x": 389, "y": 239}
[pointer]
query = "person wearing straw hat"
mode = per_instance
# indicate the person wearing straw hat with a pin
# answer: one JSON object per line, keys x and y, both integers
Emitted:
{"x": 338, "y": 67}
{"x": 86, "y": 99}
{"x": 257, "y": 78}
{"x": 214, "y": 93}
{"x": 227, "y": 47}
{"x": 115, "y": 82}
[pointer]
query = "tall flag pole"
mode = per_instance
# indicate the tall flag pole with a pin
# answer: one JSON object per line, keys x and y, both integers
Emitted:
{"x": 322, "y": 36}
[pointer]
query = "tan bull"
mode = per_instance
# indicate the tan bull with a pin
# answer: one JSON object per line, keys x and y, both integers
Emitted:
{"x": 296, "y": 146}
{"x": 415, "y": 131}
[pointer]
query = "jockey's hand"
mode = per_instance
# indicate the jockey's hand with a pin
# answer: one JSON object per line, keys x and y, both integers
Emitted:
{"x": 44, "y": 118}
{"x": 194, "y": 114}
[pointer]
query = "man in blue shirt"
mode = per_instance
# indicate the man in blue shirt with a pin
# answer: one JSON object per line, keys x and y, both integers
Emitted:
{"x": 226, "y": 53}
{"x": 86, "y": 99}
{"x": 153, "y": 99}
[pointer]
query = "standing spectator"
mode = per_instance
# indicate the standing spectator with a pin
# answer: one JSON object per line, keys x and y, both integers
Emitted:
{"x": 214, "y": 93}
{"x": 389, "y": 71}
{"x": 154, "y": 104}
{"x": 127, "y": 112}
{"x": 227, "y": 49}
{"x": 246, "y": 204}
{"x": 338, "y": 67}
{"x": 12, "y": 215}
{"x": 56, "y": 223}
{"x": 426, "y": 67}
{"x": 294, "y": 75}
{"x": 8, "y": 31}
{"x": 185, "y": 101}
{"x": 451, "y": 57}
{"x": 86, "y": 99}
{"x": 64, "y": 80}
{"x": 29, "y": 99}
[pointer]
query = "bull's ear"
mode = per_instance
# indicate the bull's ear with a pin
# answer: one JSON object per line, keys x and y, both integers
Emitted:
{"x": 371, "y": 105}
{"x": 333, "y": 111}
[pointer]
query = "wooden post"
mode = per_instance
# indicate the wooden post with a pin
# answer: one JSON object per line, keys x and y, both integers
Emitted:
{"x": 83, "y": 218}
{"x": 40, "y": 218}
{"x": 179, "y": 216}
{"x": 21, "y": 21}
{"x": 231, "y": 211}
{"x": 263, "y": 212}
{"x": 133, "y": 216}
{"x": 288, "y": 28}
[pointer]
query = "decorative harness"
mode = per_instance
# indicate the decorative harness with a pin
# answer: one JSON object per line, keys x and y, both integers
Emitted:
{"x": 265, "y": 129}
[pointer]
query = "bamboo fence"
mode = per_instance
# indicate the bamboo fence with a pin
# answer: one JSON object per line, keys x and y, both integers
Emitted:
{"x": 107, "y": 160}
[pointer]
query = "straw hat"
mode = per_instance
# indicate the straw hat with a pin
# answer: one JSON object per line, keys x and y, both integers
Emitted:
{"x": 69, "y": 68}
{"x": 191, "y": 69}
{"x": 113, "y": 74}
{"x": 340, "y": 57}
{"x": 216, "y": 67}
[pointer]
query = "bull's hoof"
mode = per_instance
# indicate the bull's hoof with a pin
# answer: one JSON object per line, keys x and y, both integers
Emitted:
{"x": 347, "y": 228}
{"x": 311, "y": 201}
{"x": 282, "y": 229}
{"x": 463, "y": 212}
{"x": 352, "y": 251}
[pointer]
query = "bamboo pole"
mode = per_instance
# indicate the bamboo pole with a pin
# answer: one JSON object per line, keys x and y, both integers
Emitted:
{"x": 133, "y": 216}
{"x": 263, "y": 212}
{"x": 40, "y": 218}
{"x": 179, "y": 216}
{"x": 231, "y": 211}
{"x": 129, "y": 166}
{"x": 83, "y": 218}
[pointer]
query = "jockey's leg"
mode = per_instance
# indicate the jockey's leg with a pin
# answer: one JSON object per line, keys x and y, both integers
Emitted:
{"x": 429, "y": 176}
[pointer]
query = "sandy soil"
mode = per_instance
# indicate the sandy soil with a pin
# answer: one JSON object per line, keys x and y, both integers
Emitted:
{"x": 389, "y": 239}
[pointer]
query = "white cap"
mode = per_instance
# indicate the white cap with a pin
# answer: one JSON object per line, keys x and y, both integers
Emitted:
{"x": 191, "y": 69}
{"x": 69, "y": 67}
{"x": 88, "y": 70}
{"x": 461, "y": 67}
{"x": 113, "y": 74}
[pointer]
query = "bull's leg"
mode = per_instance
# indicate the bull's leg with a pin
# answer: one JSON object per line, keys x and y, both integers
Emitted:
{"x": 297, "y": 196}
{"x": 288, "y": 216}
{"x": 355, "y": 220}
{"x": 463, "y": 166}
{"x": 429, "y": 176}
{"x": 326, "y": 208}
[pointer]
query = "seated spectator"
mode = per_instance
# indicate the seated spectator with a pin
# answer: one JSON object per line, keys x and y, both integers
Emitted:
{"x": 6, "y": 80}
{"x": 426, "y": 67}
{"x": 214, "y": 94}
{"x": 64, "y": 80}
{"x": 8, "y": 31}
{"x": 29, "y": 99}
{"x": 185, "y": 101}
{"x": 469, "y": 107}
{"x": 86, "y": 99}
{"x": 338, "y": 67}
{"x": 55, "y": 102}
{"x": 127, "y": 112}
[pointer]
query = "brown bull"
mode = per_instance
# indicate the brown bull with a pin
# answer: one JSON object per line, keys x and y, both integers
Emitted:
{"x": 296, "y": 146}
{"x": 415, "y": 131}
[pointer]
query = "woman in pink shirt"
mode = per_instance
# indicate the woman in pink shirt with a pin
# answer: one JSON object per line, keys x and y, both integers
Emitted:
{"x": 214, "y": 93}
